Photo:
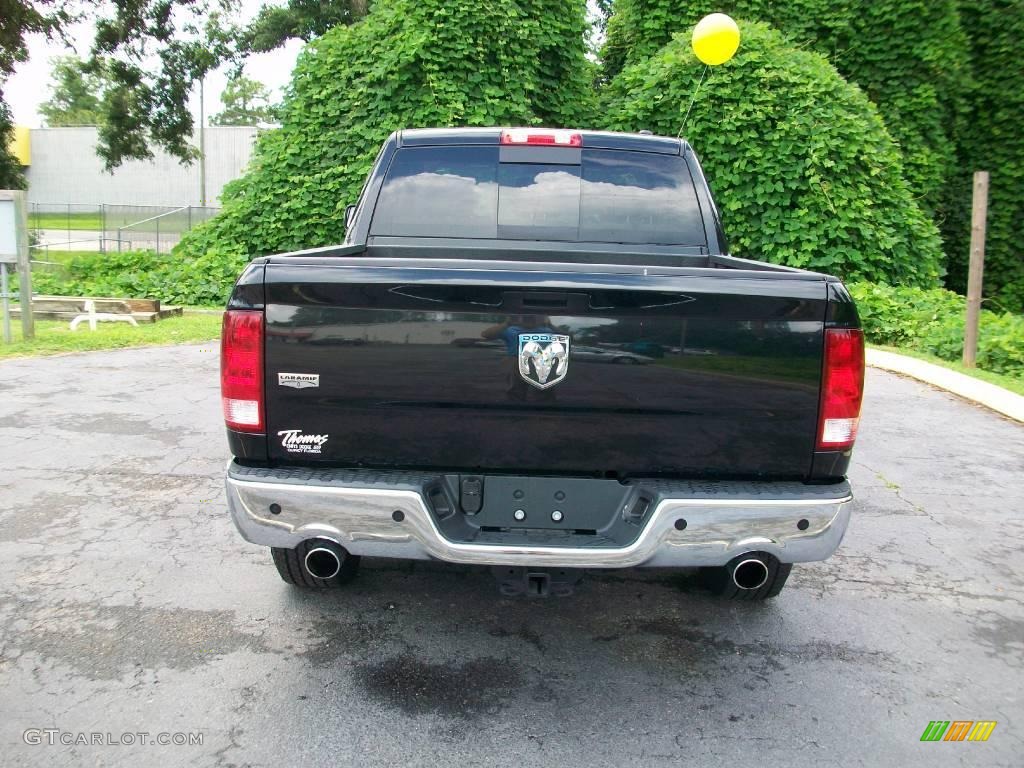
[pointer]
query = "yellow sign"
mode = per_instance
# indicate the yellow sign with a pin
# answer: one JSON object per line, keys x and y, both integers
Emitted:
{"x": 715, "y": 39}
{"x": 20, "y": 145}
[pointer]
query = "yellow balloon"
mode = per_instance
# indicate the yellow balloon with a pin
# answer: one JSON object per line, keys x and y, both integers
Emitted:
{"x": 715, "y": 39}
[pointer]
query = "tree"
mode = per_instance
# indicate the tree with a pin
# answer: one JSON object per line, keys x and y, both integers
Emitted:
{"x": 76, "y": 93}
{"x": 303, "y": 19}
{"x": 20, "y": 19}
{"x": 11, "y": 175}
{"x": 803, "y": 168}
{"x": 602, "y": 10}
{"x": 246, "y": 102}
{"x": 154, "y": 52}
{"x": 409, "y": 63}
{"x": 151, "y": 51}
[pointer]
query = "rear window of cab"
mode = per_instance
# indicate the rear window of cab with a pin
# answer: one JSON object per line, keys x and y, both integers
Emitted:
{"x": 560, "y": 194}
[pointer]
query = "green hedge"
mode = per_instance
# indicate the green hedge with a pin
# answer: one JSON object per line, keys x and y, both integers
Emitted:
{"x": 932, "y": 321}
{"x": 802, "y": 167}
{"x": 409, "y": 63}
{"x": 204, "y": 280}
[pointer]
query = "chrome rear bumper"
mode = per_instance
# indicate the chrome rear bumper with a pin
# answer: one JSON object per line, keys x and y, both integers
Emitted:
{"x": 357, "y": 509}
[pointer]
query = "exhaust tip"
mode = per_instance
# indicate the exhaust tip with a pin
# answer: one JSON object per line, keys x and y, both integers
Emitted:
{"x": 322, "y": 563}
{"x": 750, "y": 574}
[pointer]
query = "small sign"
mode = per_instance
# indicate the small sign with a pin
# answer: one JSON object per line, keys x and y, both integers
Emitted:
{"x": 8, "y": 231}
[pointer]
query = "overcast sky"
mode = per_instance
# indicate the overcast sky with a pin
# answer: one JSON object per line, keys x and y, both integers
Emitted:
{"x": 29, "y": 86}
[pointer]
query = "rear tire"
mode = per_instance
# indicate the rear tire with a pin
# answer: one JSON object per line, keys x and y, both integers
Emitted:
{"x": 290, "y": 565}
{"x": 718, "y": 581}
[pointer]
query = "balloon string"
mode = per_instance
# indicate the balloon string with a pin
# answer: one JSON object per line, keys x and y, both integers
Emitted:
{"x": 692, "y": 99}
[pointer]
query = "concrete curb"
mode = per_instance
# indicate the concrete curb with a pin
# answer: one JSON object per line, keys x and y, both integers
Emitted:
{"x": 989, "y": 395}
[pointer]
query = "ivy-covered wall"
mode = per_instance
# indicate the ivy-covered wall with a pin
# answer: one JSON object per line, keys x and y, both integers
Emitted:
{"x": 804, "y": 181}
{"x": 409, "y": 63}
{"x": 909, "y": 56}
{"x": 993, "y": 141}
{"x": 801, "y": 164}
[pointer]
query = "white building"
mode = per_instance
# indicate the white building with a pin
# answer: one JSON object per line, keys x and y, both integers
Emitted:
{"x": 65, "y": 169}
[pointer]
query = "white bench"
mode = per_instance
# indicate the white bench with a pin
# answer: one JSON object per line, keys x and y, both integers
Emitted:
{"x": 93, "y": 317}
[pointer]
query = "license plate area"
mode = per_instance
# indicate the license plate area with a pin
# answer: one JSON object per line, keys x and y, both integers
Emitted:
{"x": 549, "y": 502}
{"x": 538, "y": 511}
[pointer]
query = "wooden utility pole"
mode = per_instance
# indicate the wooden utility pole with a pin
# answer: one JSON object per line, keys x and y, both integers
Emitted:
{"x": 28, "y": 326}
{"x": 976, "y": 269}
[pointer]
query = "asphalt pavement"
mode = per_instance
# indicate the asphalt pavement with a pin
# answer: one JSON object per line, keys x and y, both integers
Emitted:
{"x": 131, "y": 611}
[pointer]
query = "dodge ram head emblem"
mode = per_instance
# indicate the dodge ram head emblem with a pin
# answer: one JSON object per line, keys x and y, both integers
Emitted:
{"x": 543, "y": 358}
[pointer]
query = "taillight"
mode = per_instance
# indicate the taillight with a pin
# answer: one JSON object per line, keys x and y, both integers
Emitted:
{"x": 542, "y": 137}
{"x": 842, "y": 387}
{"x": 241, "y": 370}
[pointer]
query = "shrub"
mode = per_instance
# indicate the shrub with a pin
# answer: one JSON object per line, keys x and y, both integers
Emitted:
{"x": 204, "y": 280}
{"x": 909, "y": 56}
{"x": 932, "y": 321}
{"x": 801, "y": 164}
{"x": 409, "y": 63}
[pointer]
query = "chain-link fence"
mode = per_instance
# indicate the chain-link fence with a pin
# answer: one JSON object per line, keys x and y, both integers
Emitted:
{"x": 62, "y": 227}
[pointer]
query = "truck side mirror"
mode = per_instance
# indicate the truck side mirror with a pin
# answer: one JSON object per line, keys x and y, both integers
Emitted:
{"x": 350, "y": 211}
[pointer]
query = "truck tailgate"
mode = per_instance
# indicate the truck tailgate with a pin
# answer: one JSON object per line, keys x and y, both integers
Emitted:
{"x": 417, "y": 364}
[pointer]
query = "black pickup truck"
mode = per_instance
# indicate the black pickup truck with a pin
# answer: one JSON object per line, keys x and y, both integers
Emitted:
{"x": 533, "y": 352}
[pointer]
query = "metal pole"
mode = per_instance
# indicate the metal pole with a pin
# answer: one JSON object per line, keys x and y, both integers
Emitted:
{"x": 976, "y": 269}
{"x": 202, "y": 143}
{"x": 7, "y": 306}
{"x": 158, "y": 235}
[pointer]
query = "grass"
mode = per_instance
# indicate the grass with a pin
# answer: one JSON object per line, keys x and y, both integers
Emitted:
{"x": 170, "y": 220}
{"x": 55, "y": 337}
{"x": 1006, "y": 382}
{"x": 91, "y": 220}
